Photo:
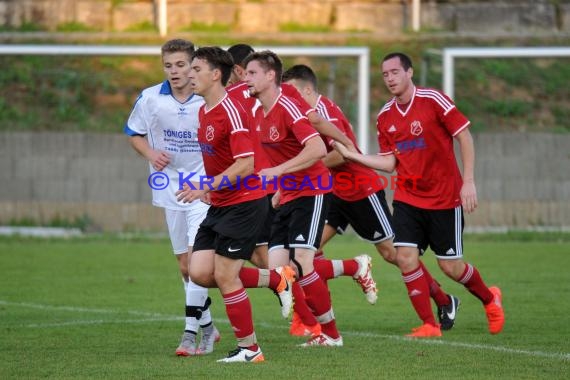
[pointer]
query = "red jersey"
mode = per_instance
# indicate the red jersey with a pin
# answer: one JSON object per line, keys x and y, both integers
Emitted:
{"x": 223, "y": 138}
{"x": 421, "y": 138}
{"x": 283, "y": 131}
{"x": 351, "y": 181}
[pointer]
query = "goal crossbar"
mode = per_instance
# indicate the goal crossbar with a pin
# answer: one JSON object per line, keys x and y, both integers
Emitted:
{"x": 450, "y": 54}
{"x": 362, "y": 53}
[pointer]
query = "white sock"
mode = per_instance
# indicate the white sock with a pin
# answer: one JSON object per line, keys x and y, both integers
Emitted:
{"x": 196, "y": 296}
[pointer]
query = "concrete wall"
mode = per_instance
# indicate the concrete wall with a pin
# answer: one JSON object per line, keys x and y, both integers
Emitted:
{"x": 523, "y": 180}
{"x": 377, "y": 16}
{"x": 49, "y": 176}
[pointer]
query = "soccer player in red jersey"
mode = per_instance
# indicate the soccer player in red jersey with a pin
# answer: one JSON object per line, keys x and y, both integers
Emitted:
{"x": 228, "y": 234}
{"x": 358, "y": 200}
{"x": 294, "y": 149}
{"x": 416, "y": 129}
{"x": 239, "y": 90}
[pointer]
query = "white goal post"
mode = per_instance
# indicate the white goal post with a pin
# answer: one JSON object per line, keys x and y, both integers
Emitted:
{"x": 361, "y": 53}
{"x": 450, "y": 54}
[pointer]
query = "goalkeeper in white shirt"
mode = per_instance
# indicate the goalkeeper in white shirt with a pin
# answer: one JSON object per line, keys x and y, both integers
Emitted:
{"x": 162, "y": 128}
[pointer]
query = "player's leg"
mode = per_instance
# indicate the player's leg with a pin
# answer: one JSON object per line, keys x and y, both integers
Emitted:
{"x": 304, "y": 322}
{"x": 177, "y": 231}
{"x": 410, "y": 240}
{"x": 197, "y": 300}
{"x": 260, "y": 256}
{"x": 306, "y": 222}
{"x": 446, "y": 240}
{"x": 381, "y": 234}
{"x": 231, "y": 254}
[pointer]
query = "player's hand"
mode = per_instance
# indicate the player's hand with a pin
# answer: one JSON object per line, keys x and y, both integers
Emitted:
{"x": 468, "y": 196}
{"x": 270, "y": 173}
{"x": 207, "y": 198}
{"x": 275, "y": 199}
{"x": 190, "y": 193}
{"x": 159, "y": 159}
{"x": 350, "y": 147}
{"x": 341, "y": 148}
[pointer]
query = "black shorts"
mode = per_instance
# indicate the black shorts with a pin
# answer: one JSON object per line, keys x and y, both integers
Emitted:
{"x": 263, "y": 238}
{"x": 232, "y": 231}
{"x": 441, "y": 230}
{"x": 369, "y": 217}
{"x": 300, "y": 223}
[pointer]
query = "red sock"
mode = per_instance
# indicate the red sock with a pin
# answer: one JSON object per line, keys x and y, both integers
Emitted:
{"x": 274, "y": 279}
{"x": 418, "y": 291}
{"x": 472, "y": 280}
{"x": 324, "y": 268}
{"x": 300, "y": 306}
{"x": 319, "y": 300}
{"x": 435, "y": 291}
{"x": 249, "y": 277}
{"x": 350, "y": 267}
{"x": 238, "y": 309}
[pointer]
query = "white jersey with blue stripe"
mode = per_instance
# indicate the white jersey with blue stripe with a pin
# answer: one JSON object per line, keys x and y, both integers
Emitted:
{"x": 170, "y": 126}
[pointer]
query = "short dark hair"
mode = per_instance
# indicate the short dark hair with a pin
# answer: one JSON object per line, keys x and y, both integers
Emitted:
{"x": 404, "y": 60}
{"x": 239, "y": 52}
{"x": 269, "y": 61}
{"x": 301, "y": 72}
{"x": 178, "y": 45}
{"x": 217, "y": 58}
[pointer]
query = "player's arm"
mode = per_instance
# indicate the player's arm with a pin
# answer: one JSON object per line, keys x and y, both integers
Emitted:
{"x": 314, "y": 149}
{"x": 468, "y": 191}
{"x": 325, "y": 127}
{"x": 242, "y": 167}
{"x": 386, "y": 162}
{"x": 333, "y": 158}
{"x": 158, "y": 159}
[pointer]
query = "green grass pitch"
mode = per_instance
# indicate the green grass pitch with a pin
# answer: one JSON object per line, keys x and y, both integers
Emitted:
{"x": 110, "y": 308}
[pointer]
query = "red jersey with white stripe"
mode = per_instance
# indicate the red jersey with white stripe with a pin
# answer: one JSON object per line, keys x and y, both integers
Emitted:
{"x": 240, "y": 93}
{"x": 420, "y": 135}
{"x": 224, "y": 137}
{"x": 283, "y": 131}
{"x": 351, "y": 181}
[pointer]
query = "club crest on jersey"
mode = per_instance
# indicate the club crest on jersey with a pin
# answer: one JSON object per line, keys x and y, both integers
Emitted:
{"x": 273, "y": 133}
{"x": 209, "y": 133}
{"x": 416, "y": 128}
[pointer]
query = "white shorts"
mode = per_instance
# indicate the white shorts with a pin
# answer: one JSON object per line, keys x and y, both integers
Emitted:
{"x": 183, "y": 226}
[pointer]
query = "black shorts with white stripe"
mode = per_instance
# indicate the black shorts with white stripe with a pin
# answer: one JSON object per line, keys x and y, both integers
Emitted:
{"x": 369, "y": 217}
{"x": 441, "y": 230}
{"x": 300, "y": 222}
{"x": 232, "y": 231}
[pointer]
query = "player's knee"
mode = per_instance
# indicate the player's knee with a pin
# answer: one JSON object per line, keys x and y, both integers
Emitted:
{"x": 388, "y": 252}
{"x": 200, "y": 278}
{"x": 407, "y": 262}
{"x": 451, "y": 268}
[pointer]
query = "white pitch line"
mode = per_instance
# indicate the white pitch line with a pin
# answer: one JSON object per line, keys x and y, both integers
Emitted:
{"x": 100, "y": 322}
{"x": 79, "y": 309}
{"x": 156, "y": 317}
